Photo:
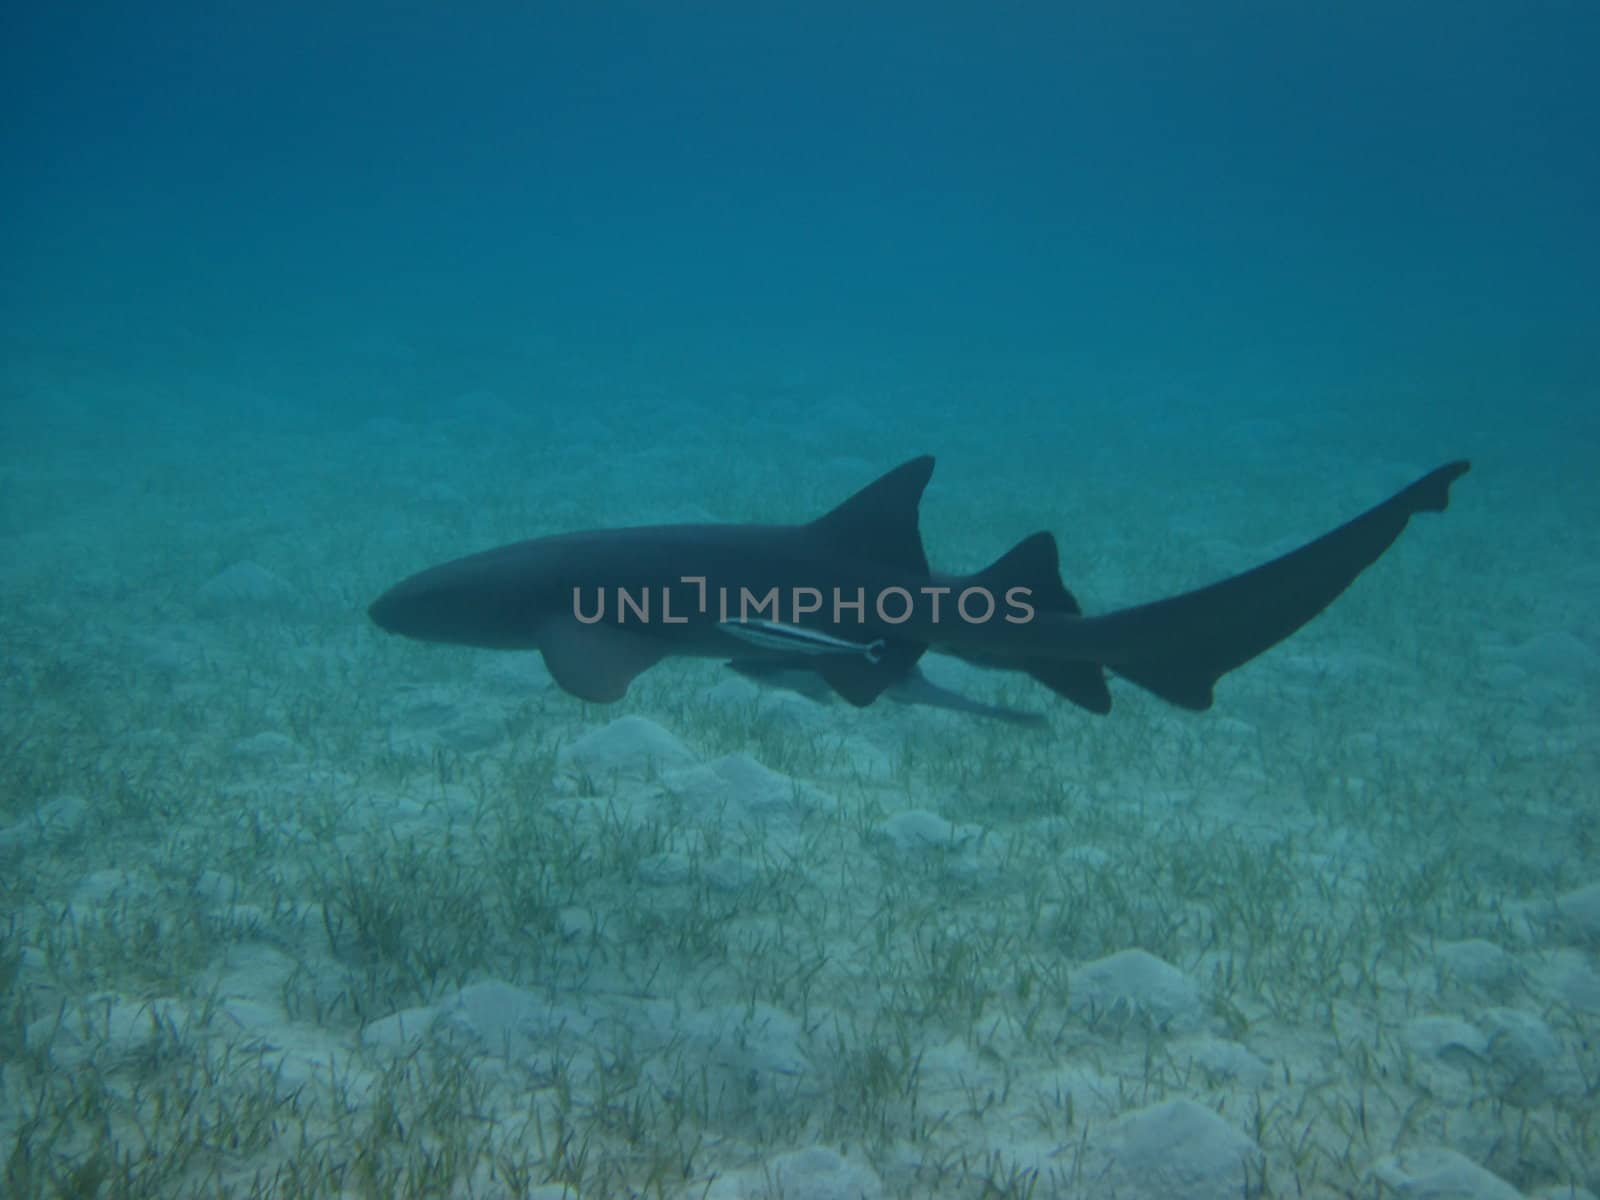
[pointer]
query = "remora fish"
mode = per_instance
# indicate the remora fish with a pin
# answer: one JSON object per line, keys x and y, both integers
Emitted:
{"x": 797, "y": 639}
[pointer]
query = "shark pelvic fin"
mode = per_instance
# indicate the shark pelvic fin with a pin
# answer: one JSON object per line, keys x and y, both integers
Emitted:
{"x": 860, "y": 681}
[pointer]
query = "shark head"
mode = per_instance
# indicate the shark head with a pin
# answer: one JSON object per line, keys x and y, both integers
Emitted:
{"x": 474, "y": 601}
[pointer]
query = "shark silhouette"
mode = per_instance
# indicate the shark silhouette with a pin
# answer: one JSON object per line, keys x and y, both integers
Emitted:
{"x": 850, "y": 596}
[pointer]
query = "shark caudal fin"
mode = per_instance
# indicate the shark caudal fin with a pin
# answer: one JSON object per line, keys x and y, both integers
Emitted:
{"x": 1034, "y": 563}
{"x": 1178, "y": 648}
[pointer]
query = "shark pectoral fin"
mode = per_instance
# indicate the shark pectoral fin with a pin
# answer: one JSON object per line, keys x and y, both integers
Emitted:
{"x": 595, "y": 662}
{"x": 861, "y": 681}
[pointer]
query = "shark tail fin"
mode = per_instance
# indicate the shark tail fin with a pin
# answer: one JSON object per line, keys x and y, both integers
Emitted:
{"x": 1034, "y": 563}
{"x": 1179, "y": 647}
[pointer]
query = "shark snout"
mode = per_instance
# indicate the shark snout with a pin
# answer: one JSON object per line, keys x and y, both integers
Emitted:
{"x": 448, "y": 604}
{"x": 385, "y": 612}
{"x": 410, "y": 608}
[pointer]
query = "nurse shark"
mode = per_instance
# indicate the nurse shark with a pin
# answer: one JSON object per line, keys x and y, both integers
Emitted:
{"x": 850, "y": 597}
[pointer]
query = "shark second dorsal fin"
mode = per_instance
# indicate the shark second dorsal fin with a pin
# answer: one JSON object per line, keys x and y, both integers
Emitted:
{"x": 880, "y": 521}
{"x": 1035, "y": 563}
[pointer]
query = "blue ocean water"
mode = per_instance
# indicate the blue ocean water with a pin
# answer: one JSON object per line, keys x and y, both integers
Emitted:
{"x": 1317, "y": 197}
{"x": 300, "y": 299}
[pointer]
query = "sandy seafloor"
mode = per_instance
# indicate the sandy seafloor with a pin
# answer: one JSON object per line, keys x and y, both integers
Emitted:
{"x": 292, "y": 908}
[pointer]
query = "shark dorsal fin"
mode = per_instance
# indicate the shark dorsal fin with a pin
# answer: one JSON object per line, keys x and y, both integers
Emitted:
{"x": 1033, "y": 563}
{"x": 880, "y": 521}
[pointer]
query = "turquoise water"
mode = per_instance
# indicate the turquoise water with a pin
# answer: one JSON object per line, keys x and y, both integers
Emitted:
{"x": 299, "y": 302}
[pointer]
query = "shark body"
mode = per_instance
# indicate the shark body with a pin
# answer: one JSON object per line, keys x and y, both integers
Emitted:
{"x": 853, "y": 599}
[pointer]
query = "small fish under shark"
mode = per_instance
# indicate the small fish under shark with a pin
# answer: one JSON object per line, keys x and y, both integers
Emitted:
{"x": 802, "y": 678}
{"x": 915, "y": 689}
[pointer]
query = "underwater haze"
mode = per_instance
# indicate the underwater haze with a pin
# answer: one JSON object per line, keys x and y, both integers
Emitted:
{"x": 301, "y": 299}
